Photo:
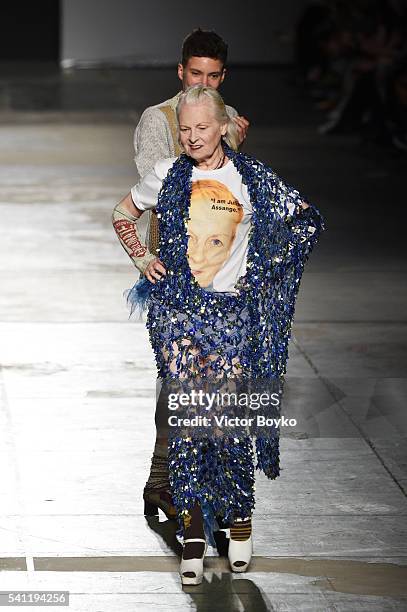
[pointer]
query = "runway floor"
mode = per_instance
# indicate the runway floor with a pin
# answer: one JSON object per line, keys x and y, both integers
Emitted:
{"x": 77, "y": 378}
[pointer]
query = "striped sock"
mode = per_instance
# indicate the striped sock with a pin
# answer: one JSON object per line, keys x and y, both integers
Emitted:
{"x": 241, "y": 530}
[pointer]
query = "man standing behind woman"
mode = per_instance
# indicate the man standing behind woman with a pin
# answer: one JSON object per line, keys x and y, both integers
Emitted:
{"x": 204, "y": 55}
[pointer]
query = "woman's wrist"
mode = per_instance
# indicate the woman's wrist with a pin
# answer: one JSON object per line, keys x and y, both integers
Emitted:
{"x": 142, "y": 263}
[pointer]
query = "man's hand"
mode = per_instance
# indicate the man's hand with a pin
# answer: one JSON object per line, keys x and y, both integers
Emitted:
{"x": 155, "y": 270}
{"x": 242, "y": 125}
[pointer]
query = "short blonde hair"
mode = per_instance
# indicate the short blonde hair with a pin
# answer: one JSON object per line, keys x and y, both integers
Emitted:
{"x": 201, "y": 93}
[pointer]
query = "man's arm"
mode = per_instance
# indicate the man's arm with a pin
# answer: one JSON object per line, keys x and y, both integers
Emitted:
{"x": 152, "y": 140}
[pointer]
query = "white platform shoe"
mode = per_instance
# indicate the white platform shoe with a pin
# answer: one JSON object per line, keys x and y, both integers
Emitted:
{"x": 240, "y": 545}
{"x": 193, "y": 566}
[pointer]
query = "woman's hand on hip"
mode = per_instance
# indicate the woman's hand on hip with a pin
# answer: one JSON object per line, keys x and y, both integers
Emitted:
{"x": 155, "y": 270}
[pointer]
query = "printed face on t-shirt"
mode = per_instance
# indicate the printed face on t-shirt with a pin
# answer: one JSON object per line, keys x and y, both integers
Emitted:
{"x": 214, "y": 217}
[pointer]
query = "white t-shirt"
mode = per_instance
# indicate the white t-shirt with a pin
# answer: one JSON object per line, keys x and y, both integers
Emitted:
{"x": 219, "y": 224}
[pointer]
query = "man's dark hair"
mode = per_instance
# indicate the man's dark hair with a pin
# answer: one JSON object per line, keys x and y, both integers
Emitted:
{"x": 204, "y": 43}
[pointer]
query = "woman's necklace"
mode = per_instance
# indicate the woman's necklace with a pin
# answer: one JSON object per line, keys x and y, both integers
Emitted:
{"x": 220, "y": 163}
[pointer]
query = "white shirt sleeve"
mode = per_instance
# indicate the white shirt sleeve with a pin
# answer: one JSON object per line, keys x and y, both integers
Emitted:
{"x": 291, "y": 207}
{"x": 145, "y": 193}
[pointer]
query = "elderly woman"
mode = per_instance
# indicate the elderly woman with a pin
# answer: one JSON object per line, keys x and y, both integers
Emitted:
{"x": 234, "y": 238}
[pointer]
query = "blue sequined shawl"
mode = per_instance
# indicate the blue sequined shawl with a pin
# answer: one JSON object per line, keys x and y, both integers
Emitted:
{"x": 279, "y": 246}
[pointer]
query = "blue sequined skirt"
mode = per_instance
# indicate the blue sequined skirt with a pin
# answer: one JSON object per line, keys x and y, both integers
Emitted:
{"x": 216, "y": 472}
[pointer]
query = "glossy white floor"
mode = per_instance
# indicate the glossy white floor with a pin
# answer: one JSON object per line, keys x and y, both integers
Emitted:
{"x": 77, "y": 403}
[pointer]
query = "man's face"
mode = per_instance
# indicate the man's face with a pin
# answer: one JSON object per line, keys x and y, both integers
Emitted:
{"x": 201, "y": 71}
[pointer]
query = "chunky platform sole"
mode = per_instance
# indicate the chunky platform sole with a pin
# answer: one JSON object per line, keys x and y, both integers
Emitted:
{"x": 240, "y": 551}
{"x": 192, "y": 565}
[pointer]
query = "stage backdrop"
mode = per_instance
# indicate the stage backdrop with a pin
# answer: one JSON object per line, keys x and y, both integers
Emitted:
{"x": 131, "y": 32}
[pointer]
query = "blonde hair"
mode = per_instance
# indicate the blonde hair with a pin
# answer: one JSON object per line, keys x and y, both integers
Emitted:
{"x": 210, "y": 189}
{"x": 201, "y": 93}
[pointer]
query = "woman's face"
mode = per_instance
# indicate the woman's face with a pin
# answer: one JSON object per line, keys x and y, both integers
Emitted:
{"x": 200, "y": 132}
{"x": 210, "y": 237}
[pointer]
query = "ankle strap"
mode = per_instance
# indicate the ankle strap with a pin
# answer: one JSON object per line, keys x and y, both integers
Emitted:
{"x": 194, "y": 540}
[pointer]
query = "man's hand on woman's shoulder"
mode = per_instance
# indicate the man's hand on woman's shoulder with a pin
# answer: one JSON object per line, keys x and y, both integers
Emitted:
{"x": 242, "y": 125}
